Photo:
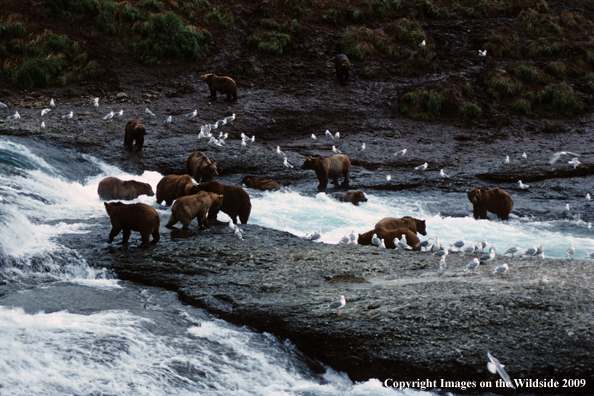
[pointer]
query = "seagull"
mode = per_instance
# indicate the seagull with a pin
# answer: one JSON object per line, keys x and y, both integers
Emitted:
{"x": 42, "y": 124}
{"x": 3, "y": 105}
{"x": 238, "y": 234}
{"x": 108, "y": 116}
{"x": 344, "y": 240}
{"x": 442, "y": 252}
{"x": 474, "y": 264}
{"x": 337, "y": 305}
{"x": 482, "y": 53}
{"x": 501, "y": 270}
{"x": 52, "y": 104}
{"x": 329, "y": 135}
{"x": 95, "y": 102}
{"x": 575, "y": 162}
{"x": 335, "y": 150}
{"x": 375, "y": 240}
{"x": 45, "y": 111}
{"x": 506, "y": 160}
{"x": 120, "y": 114}
{"x": 230, "y": 118}
{"x": 403, "y": 244}
{"x": 68, "y": 116}
{"x": 524, "y": 156}
{"x": 401, "y": 153}
{"x": 588, "y": 198}
{"x": 16, "y": 116}
{"x": 422, "y": 167}
{"x": 314, "y": 137}
{"x": 436, "y": 246}
{"x": 494, "y": 366}
{"x": 522, "y": 185}
{"x": 530, "y": 251}
{"x": 231, "y": 225}
{"x": 424, "y": 244}
{"x": 388, "y": 178}
{"x": 567, "y": 207}
{"x": 149, "y": 113}
{"x": 555, "y": 157}
{"x": 279, "y": 152}
{"x": 362, "y": 147}
{"x": 469, "y": 248}
{"x": 352, "y": 237}
{"x": 570, "y": 252}
{"x": 487, "y": 258}
{"x": 544, "y": 280}
{"x": 442, "y": 174}
{"x": 169, "y": 120}
{"x": 422, "y": 43}
{"x": 459, "y": 244}
{"x": 482, "y": 245}
{"x": 314, "y": 236}
{"x": 442, "y": 265}
{"x": 194, "y": 114}
{"x": 337, "y": 136}
{"x": 512, "y": 250}
{"x": 286, "y": 163}
{"x": 243, "y": 145}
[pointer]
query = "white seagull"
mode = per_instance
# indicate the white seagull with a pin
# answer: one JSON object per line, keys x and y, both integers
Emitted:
{"x": 169, "y": 120}
{"x": 45, "y": 111}
{"x": 16, "y": 116}
{"x": 482, "y": 53}
{"x": 95, "y": 102}
{"x": 555, "y": 157}
{"x": 335, "y": 150}
{"x": 422, "y": 43}
{"x": 52, "y": 103}
{"x": 570, "y": 252}
{"x": 442, "y": 265}
{"x": 329, "y": 135}
{"x": 522, "y": 185}
{"x": 375, "y": 240}
{"x": 474, "y": 264}
{"x": 279, "y": 152}
{"x": 194, "y": 114}
{"x": 120, "y": 114}
{"x": 506, "y": 160}
{"x": 42, "y": 124}
{"x": 109, "y": 116}
{"x": 588, "y": 198}
{"x": 401, "y": 152}
{"x": 230, "y": 118}
{"x": 314, "y": 137}
{"x": 337, "y": 305}
{"x": 442, "y": 174}
{"x": 494, "y": 366}
{"x": 286, "y": 163}
{"x": 501, "y": 270}
{"x": 524, "y": 156}
{"x": 422, "y": 167}
{"x": 362, "y": 147}
{"x": 68, "y": 116}
{"x": 512, "y": 250}
{"x": 575, "y": 162}
{"x": 388, "y": 178}
{"x": 149, "y": 113}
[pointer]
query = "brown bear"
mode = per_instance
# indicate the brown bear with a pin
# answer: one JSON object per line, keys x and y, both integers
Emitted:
{"x": 133, "y": 217}
{"x": 236, "y": 203}
{"x": 171, "y": 187}
{"x": 114, "y": 188}
{"x": 198, "y": 205}
{"x": 200, "y": 167}
{"x": 353, "y": 197}
{"x": 134, "y": 132}
{"x": 224, "y": 85}
{"x": 332, "y": 167}
{"x": 343, "y": 67}
{"x": 260, "y": 183}
{"x": 392, "y": 223}
{"x": 388, "y": 237}
{"x": 495, "y": 201}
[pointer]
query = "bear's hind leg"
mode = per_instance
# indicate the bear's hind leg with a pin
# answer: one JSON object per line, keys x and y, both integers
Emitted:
{"x": 113, "y": 233}
{"x": 126, "y": 235}
{"x": 156, "y": 236}
{"x": 171, "y": 222}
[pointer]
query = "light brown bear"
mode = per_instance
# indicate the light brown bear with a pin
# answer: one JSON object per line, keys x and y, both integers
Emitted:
{"x": 198, "y": 205}
{"x": 133, "y": 217}
{"x": 327, "y": 168}
{"x": 343, "y": 67}
{"x": 223, "y": 84}
{"x": 388, "y": 236}
{"x": 236, "y": 203}
{"x": 114, "y": 188}
{"x": 260, "y": 183}
{"x": 495, "y": 201}
{"x": 200, "y": 167}
{"x": 353, "y": 197}
{"x": 171, "y": 187}
{"x": 392, "y": 223}
{"x": 134, "y": 131}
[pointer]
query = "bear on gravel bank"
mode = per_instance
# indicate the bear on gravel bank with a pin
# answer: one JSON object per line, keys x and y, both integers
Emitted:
{"x": 133, "y": 217}
{"x": 392, "y": 223}
{"x": 343, "y": 67}
{"x": 171, "y": 187}
{"x": 388, "y": 237}
{"x": 236, "y": 203}
{"x": 200, "y": 167}
{"x": 224, "y": 85}
{"x": 259, "y": 183}
{"x": 353, "y": 197}
{"x": 332, "y": 167}
{"x": 198, "y": 205}
{"x": 134, "y": 132}
{"x": 114, "y": 188}
{"x": 495, "y": 201}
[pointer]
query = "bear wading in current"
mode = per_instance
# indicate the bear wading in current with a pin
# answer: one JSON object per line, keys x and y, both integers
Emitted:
{"x": 392, "y": 223}
{"x": 134, "y": 132}
{"x": 329, "y": 168}
{"x": 495, "y": 201}
{"x": 260, "y": 183}
{"x": 224, "y": 85}
{"x": 133, "y": 217}
{"x": 343, "y": 67}
{"x": 114, "y": 188}
{"x": 353, "y": 197}
{"x": 194, "y": 206}
{"x": 236, "y": 203}
{"x": 171, "y": 187}
{"x": 200, "y": 167}
{"x": 388, "y": 236}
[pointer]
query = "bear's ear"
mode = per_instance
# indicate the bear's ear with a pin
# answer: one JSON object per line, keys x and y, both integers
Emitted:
{"x": 467, "y": 191}
{"x": 310, "y": 157}
{"x": 105, "y": 203}
{"x": 214, "y": 163}
{"x": 221, "y": 196}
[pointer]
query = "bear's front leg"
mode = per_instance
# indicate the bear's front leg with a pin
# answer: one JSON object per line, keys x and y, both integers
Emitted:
{"x": 213, "y": 93}
{"x": 126, "y": 235}
{"x": 114, "y": 232}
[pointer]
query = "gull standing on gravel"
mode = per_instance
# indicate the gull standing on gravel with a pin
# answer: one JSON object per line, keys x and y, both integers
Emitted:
{"x": 442, "y": 265}
{"x": 109, "y": 116}
{"x": 494, "y": 366}
{"x": 482, "y": 53}
{"x": 575, "y": 162}
{"x": 512, "y": 250}
{"x": 52, "y": 103}
{"x": 68, "y": 116}
{"x": 522, "y": 185}
{"x": 401, "y": 153}
{"x": 329, "y": 135}
{"x": 193, "y": 114}
{"x": 335, "y": 150}
{"x": 436, "y": 246}
{"x": 375, "y": 240}
{"x": 45, "y": 111}
{"x": 95, "y": 103}
{"x": 337, "y": 305}
{"x": 120, "y": 114}
{"x": 442, "y": 174}
{"x": 458, "y": 244}
{"x": 362, "y": 148}
{"x": 15, "y": 117}
{"x": 388, "y": 178}
{"x": 314, "y": 236}
{"x": 487, "y": 258}
{"x": 544, "y": 281}
{"x": 422, "y": 167}
{"x": 344, "y": 240}
{"x": 286, "y": 164}
{"x": 3, "y": 106}
{"x": 588, "y": 198}
{"x": 238, "y": 234}
{"x": 474, "y": 264}
{"x": 524, "y": 156}
{"x": 149, "y": 113}
{"x": 279, "y": 152}
{"x": 506, "y": 160}
{"x": 169, "y": 121}
{"x": 469, "y": 248}
{"x": 442, "y": 252}
{"x": 424, "y": 244}
{"x": 570, "y": 252}
{"x": 314, "y": 137}
{"x": 42, "y": 124}
{"x": 501, "y": 270}
{"x": 530, "y": 251}
{"x": 555, "y": 157}
{"x": 403, "y": 243}
{"x": 352, "y": 237}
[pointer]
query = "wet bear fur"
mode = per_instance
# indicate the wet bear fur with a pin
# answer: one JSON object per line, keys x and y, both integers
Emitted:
{"x": 171, "y": 187}
{"x": 134, "y": 132}
{"x": 133, "y": 217}
{"x": 114, "y": 188}
{"x": 259, "y": 183}
{"x": 236, "y": 203}
{"x": 200, "y": 167}
{"x": 392, "y": 223}
{"x": 223, "y": 84}
{"x": 353, "y": 197}
{"x": 327, "y": 168}
{"x": 388, "y": 237}
{"x": 343, "y": 67}
{"x": 197, "y": 206}
{"x": 495, "y": 201}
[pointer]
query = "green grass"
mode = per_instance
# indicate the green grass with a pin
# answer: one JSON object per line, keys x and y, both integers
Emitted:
{"x": 423, "y": 104}
{"x": 407, "y": 30}
{"x": 37, "y": 72}
{"x": 537, "y": 24}
{"x": 557, "y": 99}
{"x": 214, "y": 17}
{"x": 151, "y": 5}
{"x": 469, "y": 110}
{"x": 525, "y": 73}
{"x": 273, "y": 37}
{"x": 501, "y": 43}
{"x": 358, "y": 43}
{"x": 503, "y": 86}
{"x": 522, "y": 106}
{"x": 556, "y": 69}
{"x": 65, "y": 9}
{"x": 383, "y": 7}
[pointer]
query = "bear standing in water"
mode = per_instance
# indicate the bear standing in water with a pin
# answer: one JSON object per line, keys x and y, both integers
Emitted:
{"x": 343, "y": 67}
{"x": 495, "y": 201}
{"x": 114, "y": 188}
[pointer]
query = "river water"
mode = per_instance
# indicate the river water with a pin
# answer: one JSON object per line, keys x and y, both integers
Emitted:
{"x": 71, "y": 329}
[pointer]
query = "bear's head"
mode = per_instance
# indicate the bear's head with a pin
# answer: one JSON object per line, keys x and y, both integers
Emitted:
{"x": 217, "y": 201}
{"x": 358, "y": 196}
{"x": 311, "y": 163}
{"x": 211, "y": 169}
{"x": 421, "y": 226}
{"x": 110, "y": 206}
{"x": 195, "y": 189}
{"x": 139, "y": 129}
{"x": 207, "y": 78}
{"x": 145, "y": 188}
{"x": 474, "y": 195}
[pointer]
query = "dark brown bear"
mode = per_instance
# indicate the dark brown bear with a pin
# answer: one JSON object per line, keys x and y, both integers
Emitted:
{"x": 133, "y": 217}
{"x": 224, "y": 85}
{"x": 114, "y": 188}
{"x": 236, "y": 203}
{"x": 200, "y": 167}
{"x": 392, "y": 223}
{"x": 353, "y": 197}
{"x": 332, "y": 167}
{"x": 198, "y": 205}
{"x": 495, "y": 201}
{"x": 343, "y": 67}
{"x": 171, "y": 187}
{"x": 388, "y": 236}
{"x": 134, "y": 131}
{"x": 260, "y": 183}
